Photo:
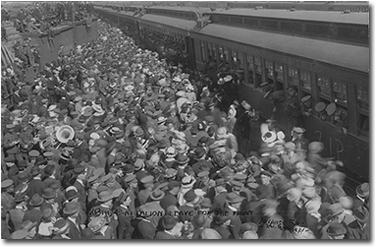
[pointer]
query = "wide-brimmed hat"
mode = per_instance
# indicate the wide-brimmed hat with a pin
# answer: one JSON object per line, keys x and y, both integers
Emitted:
{"x": 361, "y": 214}
{"x": 19, "y": 234}
{"x": 183, "y": 159}
{"x": 190, "y": 196}
{"x": 209, "y": 233}
{"x": 187, "y": 182}
{"x": 96, "y": 223}
{"x": 27, "y": 225}
{"x": 336, "y": 209}
{"x": 157, "y": 195}
{"x": 336, "y": 229}
{"x": 206, "y": 203}
{"x": 269, "y": 137}
{"x": 220, "y": 218}
{"x": 61, "y": 226}
{"x": 104, "y": 196}
{"x": 71, "y": 208}
{"x": 36, "y": 200}
{"x": 7, "y": 184}
{"x": 48, "y": 193}
{"x": 233, "y": 198}
{"x": 71, "y": 194}
{"x": 168, "y": 222}
{"x": 363, "y": 190}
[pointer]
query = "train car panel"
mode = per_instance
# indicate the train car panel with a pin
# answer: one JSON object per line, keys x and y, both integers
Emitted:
{"x": 180, "y": 26}
{"x": 347, "y": 56}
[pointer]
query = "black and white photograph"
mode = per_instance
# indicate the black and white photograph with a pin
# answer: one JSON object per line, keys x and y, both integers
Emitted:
{"x": 185, "y": 120}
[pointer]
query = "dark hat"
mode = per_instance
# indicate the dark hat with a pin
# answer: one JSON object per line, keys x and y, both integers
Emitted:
{"x": 48, "y": 170}
{"x": 78, "y": 170}
{"x": 10, "y": 158}
{"x": 36, "y": 200}
{"x": 65, "y": 155}
{"x": 221, "y": 218}
{"x": 106, "y": 178}
{"x": 183, "y": 159}
{"x": 173, "y": 184}
{"x": 104, "y": 196}
{"x": 199, "y": 152}
{"x": 96, "y": 223}
{"x": 87, "y": 233}
{"x": 206, "y": 203}
{"x": 7, "y": 184}
{"x": 236, "y": 184}
{"x": 21, "y": 197}
{"x": 361, "y": 214}
{"x": 47, "y": 154}
{"x": 40, "y": 161}
{"x": 190, "y": 196}
{"x": 128, "y": 168}
{"x": 219, "y": 181}
{"x": 233, "y": 198}
{"x": 157, "y": 195}
{"x": 336, "y": 209}
{"x": 71, "y": 194}
{"x": 35, "y": 171}
{"x": 162, "y": 144}
{"x": 130, "y": 178}
{"x": 147, "y": 179}
{"x": 336, "y": 229}
{"x": 61, "y": 225}
{"x": 169, "y": 222}
{"x": 48, "y": 193}
{"x": 249, "y": 226}
{"x": 71, "y": 208}
{"x": 363, "y": 190}
{"x": 47, "y": 214}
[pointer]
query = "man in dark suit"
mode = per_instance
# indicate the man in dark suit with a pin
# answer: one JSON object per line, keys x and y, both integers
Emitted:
{"x": 71, "y": 210}
{"x": 221, "y": 194}
{"x": 143, "y": 228}
{"x": 171, "y": 196}
{"x": 36, "y": 186}
{"x": 168, "y": 222}
{"x": 362, "y": 199}
{"x": 188, "y": 210}
{"x": 80, "y": 185}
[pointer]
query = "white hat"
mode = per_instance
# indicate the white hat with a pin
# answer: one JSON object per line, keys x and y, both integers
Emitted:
{"x": 269, "y": 137}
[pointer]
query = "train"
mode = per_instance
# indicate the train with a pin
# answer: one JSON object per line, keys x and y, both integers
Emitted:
{"x": 325, "y": 55}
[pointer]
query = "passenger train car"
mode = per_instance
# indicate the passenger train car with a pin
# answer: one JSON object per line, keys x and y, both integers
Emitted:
{"x": 324, "y": 54}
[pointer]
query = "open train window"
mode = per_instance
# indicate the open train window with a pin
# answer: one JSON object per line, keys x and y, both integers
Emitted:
{"x": 221, "y": 54}
{"x": 363, "y": 125}
{"x": 324, "y": 87}
{"x": 279, "y": 74}
{"x": 356, "y": 33}
{"x": 269, "y": 69}
{"x": 293, "y": 77}
{"x": 305, "y": 78}
{"x": 268, "y": 24}
{"x": 226, "y": 54}
{"x": 250, "y": 69}
{"x": 339, "y": 92}
{"x": 214, "y": 54}
{"x": 362, "y": 98}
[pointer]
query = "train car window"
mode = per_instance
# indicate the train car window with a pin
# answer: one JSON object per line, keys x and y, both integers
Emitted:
{"x": 305, "y": 78}
{"x": 226, "y": 54}
{"x": 258, "y": 65}
{"x": 203, "y": 55}
{"x": 250, "y": 68}
{"x": 294, "y": 27}
{"x": 223, "y": 19}
{"x": 209, "y": 54}
{"x": 214, "y": 54}
{"x": 362, "y": 98}
{"x": 221, "y": 54}
{"x": 339, "y": 92}
{"x": 324, "y": 87}
{"x": 279, "y": 72}
{"x": 250, "y": 22}
{"x": 236, "y": 20}
{"x": 268, "y": 24}
{"x": 318, "y": 30}
{"x": 269, "y": 69}
{"x": 234, "y": 58}
{"x": 357, "y": 34}
{"x": 293, "y": 77}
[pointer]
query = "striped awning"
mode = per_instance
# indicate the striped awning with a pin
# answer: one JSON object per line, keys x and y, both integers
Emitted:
{"x": 7, "y": 58}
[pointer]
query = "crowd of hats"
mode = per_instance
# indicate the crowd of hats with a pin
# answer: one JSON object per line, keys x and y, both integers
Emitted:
{"x": 143, "y": 141}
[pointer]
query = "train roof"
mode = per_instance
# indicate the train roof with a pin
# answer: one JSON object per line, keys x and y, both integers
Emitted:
{"x": 303, "y": 15}
{"x": 169, "y": 21}
{"x": 343, "y": 55}
{"x": 121, "y": 12}
{"x": 184, "y": 9}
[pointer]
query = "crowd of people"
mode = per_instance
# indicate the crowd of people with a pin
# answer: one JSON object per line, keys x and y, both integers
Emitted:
{"x": 112, "y": 142}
